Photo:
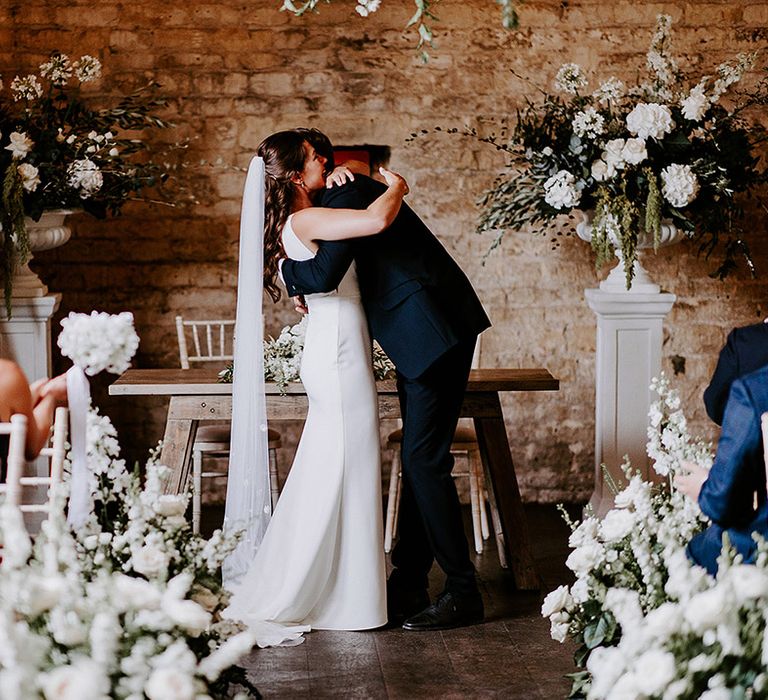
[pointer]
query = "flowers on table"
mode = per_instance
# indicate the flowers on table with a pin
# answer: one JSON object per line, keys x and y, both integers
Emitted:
{"x": 666, "y": 148}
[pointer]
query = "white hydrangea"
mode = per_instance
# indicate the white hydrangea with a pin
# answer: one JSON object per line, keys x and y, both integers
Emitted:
{"x": 696, "y": 104}
{"x": 650, "y": 120}
{"x": 99, "y": 341}
{"x": 588, "y": 123}
{"x": 57, "y": 69}
{"x": 30, "y": 176}
{"x": 367, "y": 7}
{"x": 87, "y": 69}
{"x": 26, "y": 88}
{"x": 679, "y": 185}
{"x": 85, "y": 176}
{"x": 560, "y": 191}
{"x": 570, "y": 79}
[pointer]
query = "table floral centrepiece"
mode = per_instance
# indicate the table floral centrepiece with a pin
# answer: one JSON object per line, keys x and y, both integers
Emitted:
{"x": 634, "y": 155}
{"x": 61, "y": 151}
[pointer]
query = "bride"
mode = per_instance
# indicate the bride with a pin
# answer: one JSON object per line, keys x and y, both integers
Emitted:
{"x": 320, "y": 563}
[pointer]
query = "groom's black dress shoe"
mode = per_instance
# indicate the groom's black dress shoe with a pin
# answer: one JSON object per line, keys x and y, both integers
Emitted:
{"x": 447, "y": 612}
{"x": 403, "y": 603}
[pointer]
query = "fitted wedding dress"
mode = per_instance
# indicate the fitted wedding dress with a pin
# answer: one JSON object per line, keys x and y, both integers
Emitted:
{"x": 321, "y": 562}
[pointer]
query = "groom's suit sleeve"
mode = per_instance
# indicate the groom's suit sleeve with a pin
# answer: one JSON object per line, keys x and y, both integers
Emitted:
{"x": 324, "y": 272}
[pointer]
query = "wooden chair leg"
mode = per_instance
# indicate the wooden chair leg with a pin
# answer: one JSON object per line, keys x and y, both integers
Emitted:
{"x": 392, "y": 499}
{"x": 474, "y": 498}
{"x": 274, "y": 484}
{"x": 483, "y": 496}
{"x": 197, "y": 485}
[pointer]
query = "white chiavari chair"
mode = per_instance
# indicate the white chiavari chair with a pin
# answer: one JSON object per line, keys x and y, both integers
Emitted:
{"x": 212, "y": 342}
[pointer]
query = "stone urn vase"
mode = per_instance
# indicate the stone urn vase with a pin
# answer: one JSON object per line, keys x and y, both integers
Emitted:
{"x": 48, "y": 233}
{"x": 641, "y": 280}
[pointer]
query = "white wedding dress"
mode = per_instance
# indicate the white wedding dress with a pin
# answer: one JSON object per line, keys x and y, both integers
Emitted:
{"x": 321, "y": 562}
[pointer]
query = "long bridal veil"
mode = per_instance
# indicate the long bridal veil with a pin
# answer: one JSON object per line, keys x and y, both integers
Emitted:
{"x": 248, "y": 503}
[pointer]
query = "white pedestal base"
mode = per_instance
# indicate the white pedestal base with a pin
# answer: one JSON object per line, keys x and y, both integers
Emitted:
{"x": 629, "y": 335}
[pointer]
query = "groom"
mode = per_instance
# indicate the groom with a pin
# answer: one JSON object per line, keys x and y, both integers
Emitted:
{"x": 426, "y": 316}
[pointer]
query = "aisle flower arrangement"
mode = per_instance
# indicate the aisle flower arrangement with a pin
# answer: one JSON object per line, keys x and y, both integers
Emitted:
{"x": 668, "y": 148}
{"x": 129, "y": 605}
{"x": 633, "y": 562}
{"x": 59, "y": 150}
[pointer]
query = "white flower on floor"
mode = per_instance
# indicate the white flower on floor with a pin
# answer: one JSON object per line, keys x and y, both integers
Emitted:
{"x": 99, "y": 341}
{"x": 20, "y": 144}
{"x": 679, "y": 185}
{"x": 560, "y": 191}
{"x": 367, "y": 7}
{"x": 650, "y": 120}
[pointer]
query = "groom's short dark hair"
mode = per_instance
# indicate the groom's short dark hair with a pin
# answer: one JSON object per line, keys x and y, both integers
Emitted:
{"x": 321, "y": 143}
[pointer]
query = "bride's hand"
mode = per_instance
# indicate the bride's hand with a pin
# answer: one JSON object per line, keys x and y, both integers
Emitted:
{"x": 339, "y": 176}
{"x": 393, "y": 179}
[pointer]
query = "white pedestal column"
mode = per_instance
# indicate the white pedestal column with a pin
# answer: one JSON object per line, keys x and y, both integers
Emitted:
{"x": 629, "y": 336}
{"x": 26, "y": 337}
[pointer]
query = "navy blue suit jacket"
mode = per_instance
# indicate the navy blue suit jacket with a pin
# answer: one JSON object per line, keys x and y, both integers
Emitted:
{"x": 417, "y": 300}
{"x": 727, "y": 496}
{"x": 745, "y": 351}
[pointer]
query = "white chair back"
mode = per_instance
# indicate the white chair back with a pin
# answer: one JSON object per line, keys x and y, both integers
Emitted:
{"x": 212, "y": 340}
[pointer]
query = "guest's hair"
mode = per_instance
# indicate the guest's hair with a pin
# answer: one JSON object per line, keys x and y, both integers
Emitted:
{"x": 284, "y": 157}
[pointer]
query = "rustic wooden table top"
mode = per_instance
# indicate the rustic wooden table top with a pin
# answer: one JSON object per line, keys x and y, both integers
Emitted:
{"x": 192, "y": 382}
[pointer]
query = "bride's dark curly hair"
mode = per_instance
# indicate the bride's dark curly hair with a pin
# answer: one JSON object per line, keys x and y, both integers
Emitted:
{"x": 284, "y": 156}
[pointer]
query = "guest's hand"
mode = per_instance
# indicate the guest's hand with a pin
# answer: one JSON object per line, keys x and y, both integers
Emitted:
{"x": 394, "y": 180}
{"x": 300, "y": 304}
{"x": 691, "y": 480}
{"x": 339, "y": 176}
{"x": 56, "y": 389}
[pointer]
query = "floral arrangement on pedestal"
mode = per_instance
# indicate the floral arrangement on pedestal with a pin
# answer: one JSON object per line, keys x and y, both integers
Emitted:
{"x": 282, "y": 358}
{"x": 128, "y": 605}
{"x": 59, "y": 152}
{"x": 633, "y": 156}
{"x": 648, "y": 622}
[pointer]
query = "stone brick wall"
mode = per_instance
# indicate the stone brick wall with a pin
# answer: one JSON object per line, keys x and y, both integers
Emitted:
{"x": 236, "y": 71}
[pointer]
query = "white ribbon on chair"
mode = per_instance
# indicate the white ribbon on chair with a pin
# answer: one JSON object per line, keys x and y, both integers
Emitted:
{"x": 79, "y": 398}
{"x": 248, "y": 503}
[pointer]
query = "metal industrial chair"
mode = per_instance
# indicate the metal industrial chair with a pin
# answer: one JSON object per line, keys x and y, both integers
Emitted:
{"x": 213, "y": 342}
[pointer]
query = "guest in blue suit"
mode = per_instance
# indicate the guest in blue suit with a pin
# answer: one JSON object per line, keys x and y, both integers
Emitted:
{"x": 745, "y": 351}
{"x": 727, "y": 494}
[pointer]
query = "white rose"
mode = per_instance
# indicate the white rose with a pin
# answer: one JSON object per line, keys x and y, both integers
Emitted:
{"x": 695, "y": 106}
{"x": 580, "y": 591}
{"x": 170, "y": 684}
{"x": 584, "y": 558}
{"x": 614, "y": 153}
{"x": 634, "y": 151}
{"x": 20, "y": 145}
{"x": 169, "y": 504}
{"x": 602, "y": 171}
{"x": 654, "y": 671}
{"x": 149, "y": 561}
{"x": 555, "y": 601}
{"x": 650, "y": 120}
{"x": 188, "y": 615}
{"x": 706, "y": 610}
{"x": 30, "y": 177}
{"x": 617, "y": 524}
{"x": 559, "y": 631}
{"x": 585, "y": 532}
{"x": 679, "y": 185}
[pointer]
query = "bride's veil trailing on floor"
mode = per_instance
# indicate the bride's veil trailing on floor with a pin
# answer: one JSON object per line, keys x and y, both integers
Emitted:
{"x": 248, "y": 503}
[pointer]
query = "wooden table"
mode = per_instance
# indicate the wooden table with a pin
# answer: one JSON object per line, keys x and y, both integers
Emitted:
{"x": 195, "y": 395}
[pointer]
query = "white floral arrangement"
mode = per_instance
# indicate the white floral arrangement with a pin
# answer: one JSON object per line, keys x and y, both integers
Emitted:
{"x": 99, "y": 341}
{"x": 282, "y": 358}
{"x": 632, "y": 562}
{"x": 631, "y": 156}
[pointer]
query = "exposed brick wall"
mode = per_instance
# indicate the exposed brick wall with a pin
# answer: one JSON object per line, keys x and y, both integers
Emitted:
{"x": 236, "y": 71}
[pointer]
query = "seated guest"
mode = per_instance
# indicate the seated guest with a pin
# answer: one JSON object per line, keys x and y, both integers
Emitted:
{"x": 745, "y": 351}
{"x": 727, "y": 493}
{"x": 38, "y": 402}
